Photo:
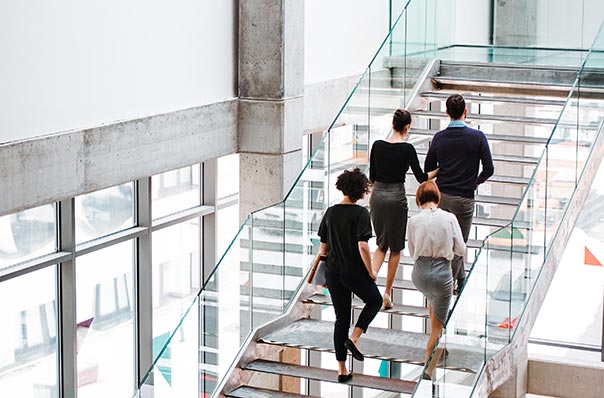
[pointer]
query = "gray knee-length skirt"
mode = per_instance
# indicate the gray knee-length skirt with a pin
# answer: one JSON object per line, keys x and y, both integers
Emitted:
{"x": 389, "y": 211}
{"x": 433, "y": 277}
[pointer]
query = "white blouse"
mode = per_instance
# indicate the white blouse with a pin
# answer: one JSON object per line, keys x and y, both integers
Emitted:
{"x": 435, "y": 233}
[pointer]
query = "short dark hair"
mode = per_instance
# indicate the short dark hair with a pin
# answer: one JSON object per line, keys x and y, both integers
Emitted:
{"x": 455, "y": 106}
{"x": 353, "y": 184}
{"x": 400, "y": 119}
{"x": 427, "y": 192}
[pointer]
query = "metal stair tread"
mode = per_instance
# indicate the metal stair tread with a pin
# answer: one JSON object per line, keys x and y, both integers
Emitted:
{"x": 397, "y": 309}
{"x": 386, "y": 344}
{"x": 256, "y": 392}
{"x": 314, "y": 373}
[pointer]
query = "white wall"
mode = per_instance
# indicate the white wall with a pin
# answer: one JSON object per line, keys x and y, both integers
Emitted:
{"x": 568, "y": 24}
{"x": 69, "y": 64}
{"x": 472, "y": 22}
{"x": 341, "y": 36}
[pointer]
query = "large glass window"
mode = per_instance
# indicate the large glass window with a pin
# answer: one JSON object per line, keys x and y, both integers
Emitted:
{"x": 105, "y": 328}
{"x": 28, "y": 353}
{"x": 176, "y": 275}
{"x": 228, "y": 170}
{"x": 104, "y": 212}
{"x": 176, "y": 190}
{"x": 27, "y": 234}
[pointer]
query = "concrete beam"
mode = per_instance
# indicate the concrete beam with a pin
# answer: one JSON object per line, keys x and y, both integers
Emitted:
{"x": 58, "y": 166}
{"x": 565, "y": 379}
{"x": 270, "y": 127}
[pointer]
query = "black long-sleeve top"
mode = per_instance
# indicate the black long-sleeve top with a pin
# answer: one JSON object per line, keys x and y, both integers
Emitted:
{"x": 389, "y": 162}
{"x": 457, "y": 152}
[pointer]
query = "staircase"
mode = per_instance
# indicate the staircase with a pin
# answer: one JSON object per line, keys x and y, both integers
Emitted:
{"x": 516, "y": 107}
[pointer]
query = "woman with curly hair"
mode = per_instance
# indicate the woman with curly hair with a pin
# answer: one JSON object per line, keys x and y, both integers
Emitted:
{"x": 344, "y": 231}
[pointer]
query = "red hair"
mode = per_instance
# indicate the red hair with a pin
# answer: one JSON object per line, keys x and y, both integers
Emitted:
{"x": 427, "y": 192}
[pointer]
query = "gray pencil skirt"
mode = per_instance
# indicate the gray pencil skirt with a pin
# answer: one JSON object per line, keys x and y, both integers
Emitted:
{"x": 389, "y": 210}
{"x": 433, "y": 277}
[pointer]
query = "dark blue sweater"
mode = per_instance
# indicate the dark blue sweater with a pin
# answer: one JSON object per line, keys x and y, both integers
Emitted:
{"x": 456, "y": 152}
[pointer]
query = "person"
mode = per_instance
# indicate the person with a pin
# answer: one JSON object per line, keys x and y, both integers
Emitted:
{"x": 344, "y": 232}
{"x": 456, "y": 152}
{"x": 389, "y": 162}
{"x": 434, "y": 239}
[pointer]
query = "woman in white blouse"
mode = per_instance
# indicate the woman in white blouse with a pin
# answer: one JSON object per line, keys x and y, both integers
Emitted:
{"x": 434, "y": 237}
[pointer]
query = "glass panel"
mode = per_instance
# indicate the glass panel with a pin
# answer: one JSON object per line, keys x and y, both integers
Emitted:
{"x": 579, "y": 272}
{"x": 28, "y": 353}
{"x": 176, "y": 276}
{"x": 27, "y": 234}
{"x": 267, "y": 247}
{"x": 105, "y": 328}
{"x": 177, "y": 370}
{"x": 176, "y": 190}
{"x": 104, "y": 212}
{"x": 228, "y": 170}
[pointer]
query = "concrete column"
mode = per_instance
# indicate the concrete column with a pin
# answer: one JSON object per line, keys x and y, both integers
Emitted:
{"x": 515, "y": 23}
{"x": 271, "y": 107}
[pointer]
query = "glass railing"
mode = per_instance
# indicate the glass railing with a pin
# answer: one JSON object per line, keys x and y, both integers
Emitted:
{"x": 486, "y": 316}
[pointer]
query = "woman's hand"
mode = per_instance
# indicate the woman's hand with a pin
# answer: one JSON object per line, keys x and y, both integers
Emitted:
{"x": 373, "y": 275}
{"x": 432, "y": 174}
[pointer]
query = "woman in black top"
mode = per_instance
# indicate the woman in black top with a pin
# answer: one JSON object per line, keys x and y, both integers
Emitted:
{"x": 344, "y": 231}
{"x": 388, "y": 164}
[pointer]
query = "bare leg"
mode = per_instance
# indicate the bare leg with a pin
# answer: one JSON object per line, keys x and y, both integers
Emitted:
{"x": 342, "y": 368}
{"x": 378, "y": 260}
{"x": 356, "y": 334}
{"x": 436, "y": 329}
{"x": 393, "y": 263}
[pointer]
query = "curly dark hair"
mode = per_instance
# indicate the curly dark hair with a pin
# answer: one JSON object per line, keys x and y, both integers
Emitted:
{"x": 456, "y": 104}
{"x": 353, "y": 184}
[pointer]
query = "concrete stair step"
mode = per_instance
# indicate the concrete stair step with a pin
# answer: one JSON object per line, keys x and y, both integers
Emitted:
{"x": 550, "y": 88}
{"x": 472, "y": 98}
{"x": 320, "y": 374}
{"x": 499, "y": 118}
{"x": 386, "y": 344}
{"x": 398, "y": 309}
{"x": 255, "y": 392}
{"x": 491, "y": 137}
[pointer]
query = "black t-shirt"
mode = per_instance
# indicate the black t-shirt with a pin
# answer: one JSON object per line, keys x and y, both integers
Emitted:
{"x": 389, "y": 162}
{"x": 342, "y": 228}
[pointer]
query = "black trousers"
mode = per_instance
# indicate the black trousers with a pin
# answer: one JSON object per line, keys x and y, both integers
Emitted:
{"x": 340, "y": 288}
